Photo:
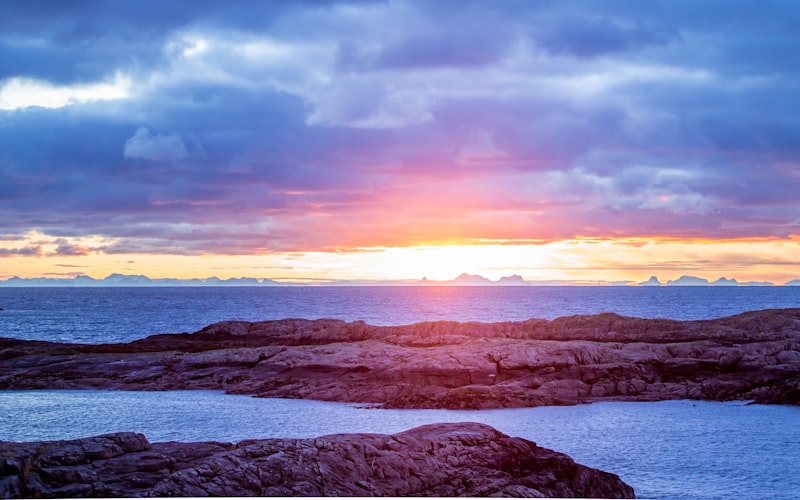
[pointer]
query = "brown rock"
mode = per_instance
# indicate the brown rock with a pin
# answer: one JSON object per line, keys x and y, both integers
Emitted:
{"x": 433, "y": 460}
{"x": 751, "y": 356}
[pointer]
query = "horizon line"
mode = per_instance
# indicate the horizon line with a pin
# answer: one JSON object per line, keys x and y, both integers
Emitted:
{"x": 464, "y": 279}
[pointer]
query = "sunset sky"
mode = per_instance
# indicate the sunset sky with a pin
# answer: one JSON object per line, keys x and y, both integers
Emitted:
{"x": 557, "y": 140}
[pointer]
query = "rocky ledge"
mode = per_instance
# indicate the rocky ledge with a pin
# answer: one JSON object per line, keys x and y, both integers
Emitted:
{"x": 433, "y": 460}
{"x": 577, "y": 359}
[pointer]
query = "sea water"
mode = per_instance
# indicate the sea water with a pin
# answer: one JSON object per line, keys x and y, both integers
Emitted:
{"x": 99, "y": 315}
{"x": 668, "y": 449}
{"x": 673, "y": 449}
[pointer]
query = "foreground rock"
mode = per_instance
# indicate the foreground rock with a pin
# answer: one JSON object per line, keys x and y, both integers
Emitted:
{"x": 433, "y": 460}
{"x": 752, "y": 356}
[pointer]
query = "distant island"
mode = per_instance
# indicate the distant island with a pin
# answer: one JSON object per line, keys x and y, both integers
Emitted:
{"x": 135, "y": 280}
{"x": 695, "y": 281}
{"x": 464, "y": 279}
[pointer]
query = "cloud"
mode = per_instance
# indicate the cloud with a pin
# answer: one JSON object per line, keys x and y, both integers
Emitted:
{"x": 67, "y": 249}
{"x": 21, "y": 252}
{"x": 154, "y": 147}
{"x": 589, "y": 36}
{"x": 20, "y": 93}
{"x": 467, "y": 44}
{"x": 277, "y": 126}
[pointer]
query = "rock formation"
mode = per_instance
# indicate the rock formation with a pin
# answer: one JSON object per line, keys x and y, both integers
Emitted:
{"x": 434, "y": 460}
{"x": 577, "y": 359}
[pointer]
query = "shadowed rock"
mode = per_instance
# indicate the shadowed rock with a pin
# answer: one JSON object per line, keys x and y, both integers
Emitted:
{"x": 577, "y": 359}
{"x": 434, "y": 460}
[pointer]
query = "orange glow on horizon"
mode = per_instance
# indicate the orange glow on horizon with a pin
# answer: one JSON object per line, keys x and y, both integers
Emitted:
{"x": 580, "y": 259}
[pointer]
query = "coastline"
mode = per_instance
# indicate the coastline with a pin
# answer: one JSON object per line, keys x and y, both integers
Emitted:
{"x": 753, "y": 356}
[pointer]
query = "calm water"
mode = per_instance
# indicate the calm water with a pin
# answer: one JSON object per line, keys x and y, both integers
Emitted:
{"x": 670, "y": 449}
{"x": 94, "y": 315}
{"x": 665, "y": 450}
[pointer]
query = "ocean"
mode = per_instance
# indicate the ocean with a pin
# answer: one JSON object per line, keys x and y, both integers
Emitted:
{"x": 670, "y": 449}
{"x": 100, "y": 315}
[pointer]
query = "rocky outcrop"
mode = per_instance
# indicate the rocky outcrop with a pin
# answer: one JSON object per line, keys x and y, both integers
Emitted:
{"x": 434, "y": 460}
{"x": 752, "y": 356}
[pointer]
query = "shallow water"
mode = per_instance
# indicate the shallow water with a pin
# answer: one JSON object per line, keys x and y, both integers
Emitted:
{"x": 669, "y": 449}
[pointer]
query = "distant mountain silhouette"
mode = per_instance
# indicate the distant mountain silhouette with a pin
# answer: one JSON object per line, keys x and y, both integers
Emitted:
{"x": 695, "y": 281}
{"x": 653, "y": 281}
{"x": 119, "y": 280}
{"x": 513, "y": 280}
{"x": 688, "y": 281}
{"x": 464, "y": 279}
{"x": 471, "y": 279}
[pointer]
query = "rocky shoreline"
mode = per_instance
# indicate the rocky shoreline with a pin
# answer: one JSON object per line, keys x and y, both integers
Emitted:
{"x": 434, "y": 460}
{"x": 753, "y": 356}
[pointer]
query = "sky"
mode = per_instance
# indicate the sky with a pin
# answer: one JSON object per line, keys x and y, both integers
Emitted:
{"x": 558, "y": 140}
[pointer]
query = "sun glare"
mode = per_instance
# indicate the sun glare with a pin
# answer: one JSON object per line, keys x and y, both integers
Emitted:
{"x": 579, "y": 261}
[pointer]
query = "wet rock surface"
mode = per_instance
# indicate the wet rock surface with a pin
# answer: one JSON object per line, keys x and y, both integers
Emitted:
{"x": 578, "y": 359}
{"x": 433, "y": 460}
